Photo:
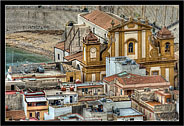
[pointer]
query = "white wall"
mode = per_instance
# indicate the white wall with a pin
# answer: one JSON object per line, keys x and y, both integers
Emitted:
{"x": 98, "y": 30}
{"x": 75, "y": 63}
{"x": 131, "y": 34}
{"x": 167, "y": 74}
{"x": 24, "y": 104}
{"x": 62, "y": 111}
{"x": 54, "y": 112}
{"x": 60, "y": 52}
{"x": 123, "y": 104}
{"x": 177, "y": 105}
{"x": 66, "y": 54}
{"x": 50, "y": 114}
{"x": 67, "y": 99}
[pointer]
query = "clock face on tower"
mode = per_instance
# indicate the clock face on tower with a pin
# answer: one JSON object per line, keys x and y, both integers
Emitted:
{"x": 93, "y": 53}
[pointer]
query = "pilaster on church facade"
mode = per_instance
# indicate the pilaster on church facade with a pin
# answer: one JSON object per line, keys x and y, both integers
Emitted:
{"x": 155, "y": 52}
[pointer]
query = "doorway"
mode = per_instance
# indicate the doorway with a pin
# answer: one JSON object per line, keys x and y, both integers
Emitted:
{"x": 12, "y": 87}
{"x": 71, "y": 79}
{"x": 129, "y": 92}
{"x": 71, "y": 99}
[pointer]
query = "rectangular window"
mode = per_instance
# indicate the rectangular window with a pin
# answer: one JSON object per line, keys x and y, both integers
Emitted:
{"x": 121, "y": 91}
{"x": 155, "y": 72}
{"x": 93, "y": 30}
{"x": 82, "y": 89}
{"x": 71, "y": 99}
{"x": 58, "y": 57}
{"x": 29, "y": 104}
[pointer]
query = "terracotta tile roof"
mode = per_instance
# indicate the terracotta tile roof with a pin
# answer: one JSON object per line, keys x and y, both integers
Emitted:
{"x": 164, "y": 31}
{"x": 15, "y": 114}
{"x": 130, "y": 78}
{"x": 77, "y": 56}
{"x": 101, "y": 19}
{"x": 91, "y": 38}
{"x": 111, "y": 78}
{"x": 141, "y": 80}
{"x": 90, "y": 86}
{"x": 60, "y": 45}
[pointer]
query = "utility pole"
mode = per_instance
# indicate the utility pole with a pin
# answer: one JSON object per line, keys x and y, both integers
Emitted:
{"x": 165, "y": 14}
{"x": 172, "y": 14}
{"x": 156, "y": 14}
{"x": 177, "y": 14}
{"x": 142, "y": 10}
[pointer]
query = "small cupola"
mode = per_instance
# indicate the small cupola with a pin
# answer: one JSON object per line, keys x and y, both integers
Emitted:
{"x": 164, "y": 33}
{"x": 90, "y": 38}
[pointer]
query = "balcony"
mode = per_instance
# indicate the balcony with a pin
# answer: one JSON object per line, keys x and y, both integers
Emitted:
{"x": 37, "y": 107}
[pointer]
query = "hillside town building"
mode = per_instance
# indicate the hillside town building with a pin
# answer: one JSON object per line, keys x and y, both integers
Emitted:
{"x": 124, "y": 83}
{"x": 105, "y": 68}
{"x": 156, "y": 104}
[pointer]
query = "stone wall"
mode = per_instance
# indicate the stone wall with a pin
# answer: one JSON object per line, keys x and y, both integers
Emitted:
{"x": 21, "y": 18}
{"x": 14, "y": 101}
{"x": 55, "y": 17}
{"x": 165, "y": 108}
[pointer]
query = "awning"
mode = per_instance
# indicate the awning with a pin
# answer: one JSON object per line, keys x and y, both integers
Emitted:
{"x": 55, "y": 98}
{"x": 38, "y": 99}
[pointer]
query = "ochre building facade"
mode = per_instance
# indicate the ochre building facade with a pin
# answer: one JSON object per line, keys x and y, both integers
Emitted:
{"x": 135, "y": 40}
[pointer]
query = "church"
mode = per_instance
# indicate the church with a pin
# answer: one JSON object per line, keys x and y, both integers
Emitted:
{"x": 134, "y": 39}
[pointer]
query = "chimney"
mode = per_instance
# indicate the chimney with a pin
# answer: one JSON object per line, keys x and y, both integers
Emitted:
{"x": 99, "y": 8}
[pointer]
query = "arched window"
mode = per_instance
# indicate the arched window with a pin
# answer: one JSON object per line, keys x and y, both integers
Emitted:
{"x": 167, "y": 47}
{"x": 130, "y": 47}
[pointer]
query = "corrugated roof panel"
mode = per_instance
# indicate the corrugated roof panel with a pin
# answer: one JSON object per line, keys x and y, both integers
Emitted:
{"x": 38, "y": 99}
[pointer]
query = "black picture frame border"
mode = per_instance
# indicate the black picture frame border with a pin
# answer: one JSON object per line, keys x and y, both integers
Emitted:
{"x": 92, "y": 2}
